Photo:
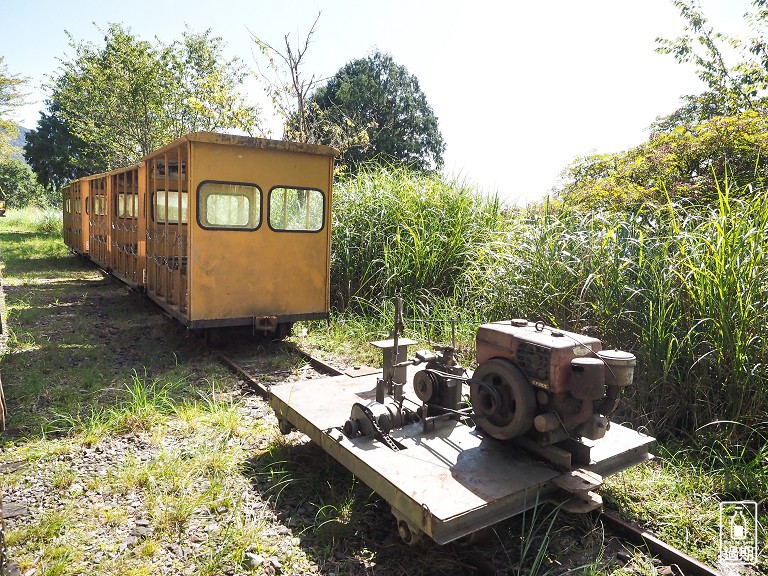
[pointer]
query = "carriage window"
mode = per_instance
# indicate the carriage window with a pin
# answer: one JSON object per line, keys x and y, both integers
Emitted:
{"x": 68, "y": 206}
{"x": 229, "y": 205}
{"x": 172, "y": 199}
{"x": 296, "y": 209}
{"x": 77, "y": 205}
{"x": 100, "y": 205}
{"x": 128, "y": 205}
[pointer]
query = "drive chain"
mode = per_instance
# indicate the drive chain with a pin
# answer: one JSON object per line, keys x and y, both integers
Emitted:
{"x": 380, "y": 434}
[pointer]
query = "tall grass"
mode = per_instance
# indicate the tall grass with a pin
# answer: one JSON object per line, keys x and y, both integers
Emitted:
{"x": 396, "y": 232}
{"x": 682, "y": 286}
{"x": 43, "y": 220}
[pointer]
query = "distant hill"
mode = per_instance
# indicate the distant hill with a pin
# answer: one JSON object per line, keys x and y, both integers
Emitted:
{"x": 21, "y": 139}
{"x": 19, "y": 142}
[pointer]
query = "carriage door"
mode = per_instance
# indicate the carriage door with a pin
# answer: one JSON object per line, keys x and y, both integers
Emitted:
{"x": 168, "y": 230}
{"x": 99, "y": 229}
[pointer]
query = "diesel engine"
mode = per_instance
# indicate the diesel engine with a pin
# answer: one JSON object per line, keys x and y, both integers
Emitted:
{"x": 547, "y": 383}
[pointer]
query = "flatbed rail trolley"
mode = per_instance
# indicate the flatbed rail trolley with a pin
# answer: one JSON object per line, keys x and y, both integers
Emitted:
{"x": 450, "y": 469}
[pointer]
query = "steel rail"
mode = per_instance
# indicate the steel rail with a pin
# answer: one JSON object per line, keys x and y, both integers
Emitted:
{"x": 320, "y": 365}
{"x": 262, "y": 389}
{"x": 674, "y": 557}
{"x": 254, "y": 384}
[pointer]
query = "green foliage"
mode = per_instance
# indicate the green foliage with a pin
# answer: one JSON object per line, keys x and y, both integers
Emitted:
{"x": 717, "y": 135}
{"x": 201, "y": 87}
{"x": 399, "y": 232}
{"x": 120, "y": 100}
{"x": 288, "y": 87}
{"x": 19, "y": 187}
{"x": 678, "y": 284}
{"x": 731, "y": 88}
{"x": 10, "y": 98}
{"x": 56, "y": 155}
{"x": 686, "y": 162}
{"x": 678, "y": 494}
{"x": 377, "y": 110}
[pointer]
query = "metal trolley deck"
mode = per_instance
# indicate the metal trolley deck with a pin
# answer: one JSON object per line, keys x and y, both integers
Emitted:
{"x": 447, "y": 483}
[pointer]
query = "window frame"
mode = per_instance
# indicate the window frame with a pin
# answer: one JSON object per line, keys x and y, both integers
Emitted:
{"x": 153, "y": 206}
{"x": 199, "y": 210}
{"x": 301, "y": 231}
{"x": 134, "y": 203}
{"x": 100, "y": 205}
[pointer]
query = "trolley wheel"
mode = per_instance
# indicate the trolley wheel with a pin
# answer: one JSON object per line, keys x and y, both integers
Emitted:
{"x": 408, "y": 534}
{"x": 503, "y": 400}
{"x": 284, "y": 426}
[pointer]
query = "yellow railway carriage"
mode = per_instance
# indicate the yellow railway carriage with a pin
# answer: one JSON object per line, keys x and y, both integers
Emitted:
{"x": 128, "y": 225}
{"x": 238, "y": 230}
{"x": 76, "y": 202}
{"x": 219, "y": 230}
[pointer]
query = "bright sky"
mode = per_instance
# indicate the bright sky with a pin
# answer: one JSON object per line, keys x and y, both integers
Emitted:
{"x": 519, "y": 88}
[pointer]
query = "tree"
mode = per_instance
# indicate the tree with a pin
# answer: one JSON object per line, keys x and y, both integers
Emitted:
{"x": 128, "y": 97}
{"x": 378, "y": 97}
{"x": 56, "y": 155}
{"x": 202, "y": 94}
{"x": 11, "y": 97}
{"x": 18, "y": 186}
{"x": 288, "y": 87}
{"x": 719, "y": 135}
{"x": 687, "y": 162}
{"x": 731, "y": 88}
{"x": 290, "y": 91}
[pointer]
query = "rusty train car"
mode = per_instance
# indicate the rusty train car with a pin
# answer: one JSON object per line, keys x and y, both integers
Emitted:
{"x": 219, "y": 230}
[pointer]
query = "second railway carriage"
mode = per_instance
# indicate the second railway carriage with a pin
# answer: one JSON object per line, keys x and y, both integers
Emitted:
{"x": 76, "y": 204}
{"x": 220, "y": 230}
{"x": 128, "y": 224}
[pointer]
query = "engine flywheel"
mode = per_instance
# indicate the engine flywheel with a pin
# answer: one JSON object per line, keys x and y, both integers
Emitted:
{"x": 503, "y": 400}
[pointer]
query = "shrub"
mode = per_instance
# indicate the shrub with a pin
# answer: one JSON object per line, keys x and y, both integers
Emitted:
{"x": 19, "y": 186}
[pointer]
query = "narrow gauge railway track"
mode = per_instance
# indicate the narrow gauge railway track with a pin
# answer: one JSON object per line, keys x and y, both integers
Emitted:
{"x": 257, "y": 386}
{"x": 680, "y": 562}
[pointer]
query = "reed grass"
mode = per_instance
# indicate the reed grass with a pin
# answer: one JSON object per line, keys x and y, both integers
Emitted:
{"x": 681, "y": 285}
{"x": 397, "y": 232}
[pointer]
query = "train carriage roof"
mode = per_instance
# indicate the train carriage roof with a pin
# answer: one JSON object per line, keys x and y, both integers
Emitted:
{"x": 248, "y": 142}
